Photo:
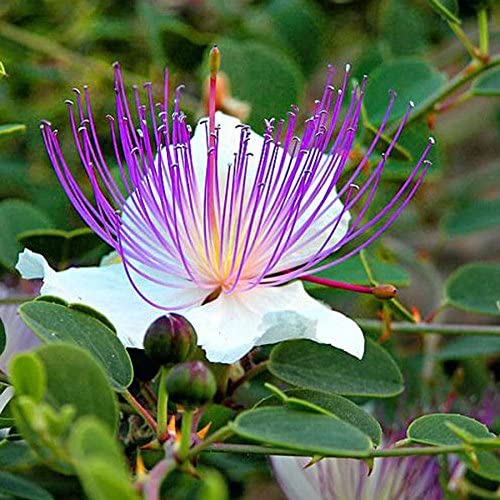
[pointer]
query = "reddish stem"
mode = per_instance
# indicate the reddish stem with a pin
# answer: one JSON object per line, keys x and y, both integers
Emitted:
{"x": 337, "y": 284}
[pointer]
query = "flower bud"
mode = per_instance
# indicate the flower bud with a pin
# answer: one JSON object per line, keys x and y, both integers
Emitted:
{"x": 170, "y": 339}
{"x": 191, "y": 384}
{"x": 385, "y": 292}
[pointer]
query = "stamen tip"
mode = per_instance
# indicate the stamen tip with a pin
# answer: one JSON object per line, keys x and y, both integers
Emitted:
{"x": 214, "y": 60}
{"x": 412, "y": 104}
{"x": 432, "y": 140}
{"x": 347, "y": 68}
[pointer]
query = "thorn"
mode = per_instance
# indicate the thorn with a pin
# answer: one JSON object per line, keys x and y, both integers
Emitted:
{"x": 203, "y": 432}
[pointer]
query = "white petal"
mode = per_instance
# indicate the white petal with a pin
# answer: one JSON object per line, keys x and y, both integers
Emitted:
{"x": 107, "y": 290}
{"x": 297, "y": 482}
{"x": 232, "y": 324}
{"x": 5, "y": 397}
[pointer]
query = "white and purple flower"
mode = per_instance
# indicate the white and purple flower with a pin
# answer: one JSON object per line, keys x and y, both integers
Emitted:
{"x": 401, "y": 478}
{"x": 217, "y": 224}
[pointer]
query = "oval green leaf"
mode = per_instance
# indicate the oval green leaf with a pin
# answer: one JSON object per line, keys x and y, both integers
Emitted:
{"x": 303, "y": 431}
{"x": 75, "y": 378}
{"x": 62, "y": 323}
{"x": 475, "y": 288}
{"x": 321, "y": 367}
{"x": 336, "y": 406}
{"x": 434, "y": 430}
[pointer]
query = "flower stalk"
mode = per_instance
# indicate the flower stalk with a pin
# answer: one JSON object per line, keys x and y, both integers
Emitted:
{"x": 162, "y": 405}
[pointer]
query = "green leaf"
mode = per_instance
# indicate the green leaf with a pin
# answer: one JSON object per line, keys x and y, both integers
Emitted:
{"x": 3, "y": 337}
{"x": 336, "y": 406}
{"x": 68, "y": 323}
{"x": 75, "y": 378}
{"x": 435, "y": 430}
{"x": 19, "y": 487}
{"x": 265, "y": 78}
{"x": 475, "y": 288}
{"x": 60, "y": 247}
{"x": 303, "y": 431}
{"x": 28, "y": 376}
{"x": 487, "y": 84}
{"x": 413, "y": 79}
{"x": 17, "y": 216}
{"x": 478, "y": 216}
{"x": 2, "y": 70}
{"x": 11, "y": 129}
{"x": 470, "y": 347}
{"x": 99, "y": 462}
{"x": 309, "y": 365}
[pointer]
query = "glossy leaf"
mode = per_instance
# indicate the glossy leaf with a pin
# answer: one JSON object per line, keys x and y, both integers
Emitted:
{"x": 336, "y": 406}
{"x": 475, "y": 288}
{"x": 321, "y": 367}
{"x": 303, "y": 431}
{"x": 70, "y": 323}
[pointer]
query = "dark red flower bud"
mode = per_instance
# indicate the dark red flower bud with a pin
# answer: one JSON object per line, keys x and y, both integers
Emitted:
{"x": 170, "y": 339}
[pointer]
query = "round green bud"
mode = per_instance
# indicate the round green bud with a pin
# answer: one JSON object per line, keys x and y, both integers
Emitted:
{"x": 170, "y": 339}
{"x": 191, "y": 384}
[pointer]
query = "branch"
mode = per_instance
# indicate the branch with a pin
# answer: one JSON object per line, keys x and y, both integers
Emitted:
{"x": 375, "y": 326}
